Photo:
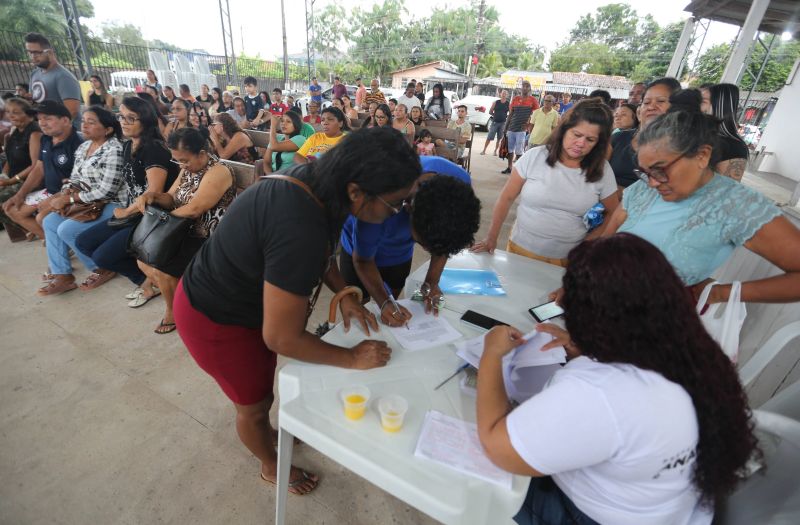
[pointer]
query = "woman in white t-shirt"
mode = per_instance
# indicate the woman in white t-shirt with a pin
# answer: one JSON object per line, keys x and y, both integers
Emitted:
{"x": 646, "y": 423}
{"x": 559, "y": 182}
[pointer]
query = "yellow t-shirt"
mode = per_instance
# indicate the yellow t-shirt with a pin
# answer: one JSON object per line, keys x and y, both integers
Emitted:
{"x": 543, "y": 125}
{"x": 318, "y": 143}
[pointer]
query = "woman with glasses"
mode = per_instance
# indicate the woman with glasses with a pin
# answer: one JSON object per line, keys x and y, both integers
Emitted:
{"x": 381, "y": 117}
{"x": 559, "y": 183}
{"x": 99, "y": 95}
{"x": 624, "y": 143}
{"x": 146, "y": 168}
{"x": 244, "y": 298}
{"x": 179, "y": 116}
{"x": 96, "y": 178}
{"x": 230, "y": 142}
{"x": 442, "y": 215}
{"x": 334, "y": 126}
{"x": 203, "y": 191}
{"x": 697, "y": 217}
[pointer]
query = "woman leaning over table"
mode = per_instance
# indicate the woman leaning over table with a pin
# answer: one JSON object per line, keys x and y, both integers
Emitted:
{"x": 203, "y": 191}
{"x": 98, "y": 172}
{"x": 146, "y": 168}
{"x": 243, "y": 300}
{"x": 333, "y": 127}
{"x": 697, "y": 217}
{"x": 21, "y": 149}
{"x": 558, "y": 182}
{"x": 646, "y": 423}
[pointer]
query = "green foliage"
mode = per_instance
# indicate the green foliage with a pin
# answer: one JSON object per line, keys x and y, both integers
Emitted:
{"x": 587, "y": 57}
{"x": 711, "y": 65}
{"x": 41, "y": 16}
{"x": 614, "y": 25}
{"x": 104, "y": 59}
{"x": 491, "y": 65}
{"x": 127, "y": 34}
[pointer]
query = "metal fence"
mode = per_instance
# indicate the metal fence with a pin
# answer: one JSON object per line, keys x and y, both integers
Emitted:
{"x": 109, "y": 57}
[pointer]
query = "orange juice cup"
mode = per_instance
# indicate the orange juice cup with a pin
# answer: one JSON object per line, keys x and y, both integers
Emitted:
{"x": 393, "y": 410}
{"x": 355, "y": 399}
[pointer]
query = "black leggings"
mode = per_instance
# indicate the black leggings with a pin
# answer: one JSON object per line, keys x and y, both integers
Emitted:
{"x": 395, "y": 275}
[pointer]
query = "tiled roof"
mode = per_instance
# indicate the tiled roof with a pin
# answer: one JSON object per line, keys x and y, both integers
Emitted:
{"x": 587, "y": 79}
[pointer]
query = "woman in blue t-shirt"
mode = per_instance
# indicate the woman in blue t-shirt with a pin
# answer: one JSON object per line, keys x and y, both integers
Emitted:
{"x": 697, "y": 217}
{"x": 442, "y": 216}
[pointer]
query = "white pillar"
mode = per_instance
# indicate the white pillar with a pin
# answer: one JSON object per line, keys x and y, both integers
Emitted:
{"x": 734, "y": 68}
{"x": 683, "y": 45}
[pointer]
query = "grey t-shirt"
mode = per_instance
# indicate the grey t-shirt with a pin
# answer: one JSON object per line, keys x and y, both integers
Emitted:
{"x": 553, "y": 202}
{"x": 56, "y": 84}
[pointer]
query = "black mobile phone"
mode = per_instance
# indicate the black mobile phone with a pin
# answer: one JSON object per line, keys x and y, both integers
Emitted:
{"x": 546, "y": 311}
{"x": 480, "y": 321}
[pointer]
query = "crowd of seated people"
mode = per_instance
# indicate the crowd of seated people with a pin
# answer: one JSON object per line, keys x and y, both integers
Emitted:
{"x": 237, "y": 286}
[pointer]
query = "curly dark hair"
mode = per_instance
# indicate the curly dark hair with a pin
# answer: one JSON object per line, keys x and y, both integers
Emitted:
{"x": 591, "y": 111}
{"x": 445, "y": 215}
{"x": 624, "y": 303}
{"x": 229, "y": 125}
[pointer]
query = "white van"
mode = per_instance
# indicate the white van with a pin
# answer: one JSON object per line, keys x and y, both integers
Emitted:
{"x": 127, "y": 81}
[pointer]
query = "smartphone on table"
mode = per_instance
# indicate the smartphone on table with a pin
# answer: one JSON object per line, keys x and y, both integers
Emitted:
{"x": 480, "y": 321}
{"x": 546, "y": 311}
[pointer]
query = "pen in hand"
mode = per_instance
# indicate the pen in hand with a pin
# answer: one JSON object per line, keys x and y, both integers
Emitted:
{"x": 397, "y": 312}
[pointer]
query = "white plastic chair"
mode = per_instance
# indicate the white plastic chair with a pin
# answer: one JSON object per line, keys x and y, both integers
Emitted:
{"x": 771, "y": 495}
{"x": 750, "y": 371}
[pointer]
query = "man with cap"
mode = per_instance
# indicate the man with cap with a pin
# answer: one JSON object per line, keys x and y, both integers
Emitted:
{"x": 60, "y": 139}
{"x": 442, "y": 214}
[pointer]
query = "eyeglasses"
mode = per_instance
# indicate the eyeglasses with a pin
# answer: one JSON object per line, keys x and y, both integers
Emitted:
{"x": 405, "y": 204}
{"x": 180, "y": 163}
{"x": 658, "y": 174}
{"x": 37, "y": 53}
{"x": 128, "y": 119}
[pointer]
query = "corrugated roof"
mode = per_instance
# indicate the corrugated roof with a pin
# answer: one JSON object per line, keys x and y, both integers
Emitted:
{"x": 781, "y": 15}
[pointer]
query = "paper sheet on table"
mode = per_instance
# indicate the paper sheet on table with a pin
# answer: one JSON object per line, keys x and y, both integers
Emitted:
{"x": 529, "y": 354}
{"x": 474, "y": 282}
{"x": 424, "y": 330}
{"x": 454, "y": 443}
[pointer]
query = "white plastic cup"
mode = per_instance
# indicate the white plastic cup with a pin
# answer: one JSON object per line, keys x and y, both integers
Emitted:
{"x": 355, "y": 399}
{"x": 393, "y": 410}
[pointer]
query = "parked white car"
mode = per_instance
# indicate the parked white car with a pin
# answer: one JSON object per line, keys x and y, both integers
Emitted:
{"x": 478, "y": 107}
{"x": 327, "y": 98}
{"x": 127, "y": 81}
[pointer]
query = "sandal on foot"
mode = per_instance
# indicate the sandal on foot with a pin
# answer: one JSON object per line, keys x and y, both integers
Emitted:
{"x": 48, "y": 277}
{"x": 96, "y": 279}
{"x": 294, "y": 484}
{"x": 165, "y": 328}
{"x": 142, "y": 299}
{"x": 56, "y": 287}
{"x": 134, "y": 294}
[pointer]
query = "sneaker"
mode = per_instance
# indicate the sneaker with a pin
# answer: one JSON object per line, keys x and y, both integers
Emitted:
{"x": 506, "y": 171}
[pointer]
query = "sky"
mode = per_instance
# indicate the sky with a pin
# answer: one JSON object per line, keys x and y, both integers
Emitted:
{"x": 260, "y": 34}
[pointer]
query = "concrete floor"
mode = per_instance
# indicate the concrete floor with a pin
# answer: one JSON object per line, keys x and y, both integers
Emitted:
{"x": 104, "y": 422}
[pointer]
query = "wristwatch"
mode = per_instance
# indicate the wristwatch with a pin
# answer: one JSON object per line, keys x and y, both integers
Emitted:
{"x": 71, "y": 199}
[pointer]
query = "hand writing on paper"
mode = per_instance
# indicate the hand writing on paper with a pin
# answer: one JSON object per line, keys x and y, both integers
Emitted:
{"x": 560, "y": 338}
{"x": 501, "y": 340}
{"x": 370, "y": 354}
{"x": 352, "y": 310}
{"x": 390, "y": 317}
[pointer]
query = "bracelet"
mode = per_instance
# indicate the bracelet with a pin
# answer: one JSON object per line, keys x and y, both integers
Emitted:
{"x": 19, "y": 179}
{"x": 383, "y": 304}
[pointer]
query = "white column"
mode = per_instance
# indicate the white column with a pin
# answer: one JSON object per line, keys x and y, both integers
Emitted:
{"x": 734, "y": 68}
{"x": 683, "y": 45}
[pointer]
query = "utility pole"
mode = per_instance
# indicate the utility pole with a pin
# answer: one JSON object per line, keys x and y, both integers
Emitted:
{"x": 76, "y": 38}
{"x": 310, "y": 37}
{"x": 227, "y": 42}
{"x": 285, "y": 53}
{"x": 473, "y": 69}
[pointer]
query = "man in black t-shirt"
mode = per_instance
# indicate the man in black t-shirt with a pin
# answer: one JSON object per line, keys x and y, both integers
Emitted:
{"x": 56, "y": 157}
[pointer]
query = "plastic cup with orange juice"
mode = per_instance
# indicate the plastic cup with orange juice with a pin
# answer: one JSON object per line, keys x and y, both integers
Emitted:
{"x": 355, "y": 399}
{"x": 393, "y": 410}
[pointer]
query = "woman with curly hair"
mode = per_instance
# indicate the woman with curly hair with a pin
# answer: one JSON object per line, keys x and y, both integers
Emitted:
{"x": 442, "y": 216}
{"x": 230, "y": 142}
{"x": 559, "y": 182}
{"x": 646, "y": 423}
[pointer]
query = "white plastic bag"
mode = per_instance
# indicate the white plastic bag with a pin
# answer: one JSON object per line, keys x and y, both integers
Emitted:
{"x": 724, "y": 328}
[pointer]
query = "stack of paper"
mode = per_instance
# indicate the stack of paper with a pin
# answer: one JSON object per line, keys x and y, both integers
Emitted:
{"x": 454, "y": 443}
{"x": 424, "y": 330}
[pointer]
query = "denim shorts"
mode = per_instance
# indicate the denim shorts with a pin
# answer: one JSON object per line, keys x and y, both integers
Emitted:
{"x": 516, "y": 142}
{"x": 495, "y": 129}
{"x": 546, "y": 504}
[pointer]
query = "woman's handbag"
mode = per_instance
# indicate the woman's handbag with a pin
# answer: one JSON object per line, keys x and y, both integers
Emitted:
{"x": 503, "y": 151}
{"x": 724, "y": 328}
{"x": 159, "y": 236}
{"x": 81, "y": 211}
{"x": 118, "y": 223}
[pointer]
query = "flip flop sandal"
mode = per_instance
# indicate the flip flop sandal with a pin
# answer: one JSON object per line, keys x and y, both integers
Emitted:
{"x": 134, "y": 294}
{"x": 165, "y": 328}
{"x": 96, "y": 279}
{"x": 56, "y": 288}
{"x": 142, "y": 300}
{"x": 48, "y": 277}
{"x": 293, "y": 484}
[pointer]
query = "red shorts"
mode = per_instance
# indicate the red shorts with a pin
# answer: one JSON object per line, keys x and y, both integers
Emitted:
{"x": 235, "y": 356}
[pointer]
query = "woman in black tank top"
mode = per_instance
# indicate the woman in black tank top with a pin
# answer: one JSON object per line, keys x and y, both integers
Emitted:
{"x": 99, "y": 95}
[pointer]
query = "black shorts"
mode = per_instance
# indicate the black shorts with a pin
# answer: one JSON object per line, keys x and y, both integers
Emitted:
{"x": 395, "y": 275}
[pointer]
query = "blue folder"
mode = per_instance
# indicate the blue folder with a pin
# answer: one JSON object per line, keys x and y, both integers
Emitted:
{"x": 472, "y": 282}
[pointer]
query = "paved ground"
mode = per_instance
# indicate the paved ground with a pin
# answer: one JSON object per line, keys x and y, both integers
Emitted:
{"x": 102, "y": 421}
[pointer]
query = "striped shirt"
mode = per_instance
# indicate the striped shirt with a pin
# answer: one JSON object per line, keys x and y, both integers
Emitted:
{"x": 377, "y": 96}
{"x": 521, "y": 109}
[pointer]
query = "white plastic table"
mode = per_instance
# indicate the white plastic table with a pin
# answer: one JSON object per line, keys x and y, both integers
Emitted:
{"x": 310, "y": 408}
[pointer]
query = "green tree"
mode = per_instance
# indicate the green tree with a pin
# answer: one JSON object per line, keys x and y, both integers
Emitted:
{"x": 41, "y": 16}
{"x": 119, "y": 33}
{"x": 710, "y": 65}
{"x": 586, "y": 57}
{"x": 330, "y": 30}
{"x": 378, "y": 37}
{"x": 491, "y": 65}
{"x": 614, "y": 25}
{"x": 651, "y": 60}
